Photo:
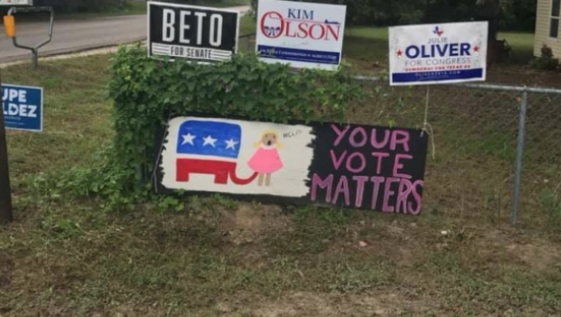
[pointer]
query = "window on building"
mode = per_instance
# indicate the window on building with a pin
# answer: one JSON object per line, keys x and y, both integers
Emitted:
{"x": 554, "y": 23}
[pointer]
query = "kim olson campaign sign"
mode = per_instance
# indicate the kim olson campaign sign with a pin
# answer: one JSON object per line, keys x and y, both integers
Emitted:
{"x": 303, "y": 35}
{"x": 191, "y": 32}
{"x": 438, "y": 53}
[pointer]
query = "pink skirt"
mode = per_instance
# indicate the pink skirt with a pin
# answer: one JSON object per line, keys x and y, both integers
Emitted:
{"x": 265, "y": 161}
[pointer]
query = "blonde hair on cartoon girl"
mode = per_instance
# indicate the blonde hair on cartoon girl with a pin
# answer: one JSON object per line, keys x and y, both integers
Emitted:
{"x": 264, "y": 137}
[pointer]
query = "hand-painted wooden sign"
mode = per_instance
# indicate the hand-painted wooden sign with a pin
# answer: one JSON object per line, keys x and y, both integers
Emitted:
{"x": 192, "y": 32}
{"x": 355, "y": 166}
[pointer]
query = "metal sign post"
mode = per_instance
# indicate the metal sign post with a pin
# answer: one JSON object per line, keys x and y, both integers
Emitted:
{"x": 34, "y": 49}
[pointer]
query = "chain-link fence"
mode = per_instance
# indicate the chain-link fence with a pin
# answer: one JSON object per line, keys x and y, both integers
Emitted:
{"x": 487, "y": 142}
{"x": 495, "y": 149}
{"x": 541, "y": 178}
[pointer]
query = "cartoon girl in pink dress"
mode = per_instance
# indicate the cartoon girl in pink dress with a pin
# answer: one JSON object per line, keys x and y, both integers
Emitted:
{"x": 266, "y": 159}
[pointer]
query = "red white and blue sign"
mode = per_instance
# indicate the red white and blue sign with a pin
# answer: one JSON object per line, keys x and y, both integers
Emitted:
{"x": 303, "y": 35}
{"x": 352, "y": 166}
{"x": 438, "y": 53}
{"x": 23, "y": 107}
{"x": 209, "y": 147}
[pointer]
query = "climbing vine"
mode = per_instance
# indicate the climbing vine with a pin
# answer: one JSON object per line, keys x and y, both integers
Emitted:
{"x": 146, "y": 91}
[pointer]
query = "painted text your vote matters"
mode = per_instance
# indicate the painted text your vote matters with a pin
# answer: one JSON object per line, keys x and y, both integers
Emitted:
{"x": 371, "y": 168}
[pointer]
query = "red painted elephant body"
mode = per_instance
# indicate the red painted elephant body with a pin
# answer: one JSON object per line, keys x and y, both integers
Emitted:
{"x": 221, "y": 170}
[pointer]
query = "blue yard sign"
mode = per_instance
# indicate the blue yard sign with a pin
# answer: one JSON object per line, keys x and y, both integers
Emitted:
{"x": 23, "y": 107}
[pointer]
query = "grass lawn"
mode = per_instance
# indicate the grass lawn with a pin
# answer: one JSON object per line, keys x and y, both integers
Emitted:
{"x": 522, "y": 45}
{"x": 66, "y": 256}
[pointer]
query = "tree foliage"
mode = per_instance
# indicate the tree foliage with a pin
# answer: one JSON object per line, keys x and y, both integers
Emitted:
{"x": 506, "y": 14}
{"x": 84, "y": 5}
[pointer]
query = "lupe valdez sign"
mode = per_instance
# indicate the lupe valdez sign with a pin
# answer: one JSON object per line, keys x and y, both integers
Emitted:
{"x": 303, "y": 35}
{"x": 354, "y": 166}
{"x": 192, "y": 32}
{"x": 438, "y": 53}
{"x": 23, "y": 107}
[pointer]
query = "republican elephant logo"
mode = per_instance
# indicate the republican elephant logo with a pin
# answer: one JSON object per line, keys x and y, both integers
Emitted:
{"x": 210, "y": 147}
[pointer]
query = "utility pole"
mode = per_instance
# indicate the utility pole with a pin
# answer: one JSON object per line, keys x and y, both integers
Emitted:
{"x": 6, "y": 215}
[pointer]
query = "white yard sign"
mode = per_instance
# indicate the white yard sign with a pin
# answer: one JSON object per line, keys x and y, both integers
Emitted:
{"x": 303, "y": 35}
{"x": 16, "y": 2}
{"x": 438, "y": 53}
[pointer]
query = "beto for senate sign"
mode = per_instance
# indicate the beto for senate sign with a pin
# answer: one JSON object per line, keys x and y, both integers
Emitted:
{"x": 303, "y": 35}
{"x": 192, "y": 32}
{"x": 438, "y": 53}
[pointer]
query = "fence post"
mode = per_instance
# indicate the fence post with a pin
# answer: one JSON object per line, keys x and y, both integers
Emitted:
{"x": 519, "y": 157}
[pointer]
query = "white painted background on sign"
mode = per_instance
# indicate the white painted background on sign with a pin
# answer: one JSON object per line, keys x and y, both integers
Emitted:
{"x": 294, "y": 152}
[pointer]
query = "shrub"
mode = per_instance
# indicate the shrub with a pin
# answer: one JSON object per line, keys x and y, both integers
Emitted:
{"x": 546, "y": 61}
{"x": 146, "y": 92}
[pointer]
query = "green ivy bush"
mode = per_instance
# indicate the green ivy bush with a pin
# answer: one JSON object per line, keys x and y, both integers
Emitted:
{"x": 147, "y": 91}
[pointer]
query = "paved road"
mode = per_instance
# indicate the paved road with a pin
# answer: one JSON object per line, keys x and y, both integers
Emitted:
{"x": 78, "y": 35}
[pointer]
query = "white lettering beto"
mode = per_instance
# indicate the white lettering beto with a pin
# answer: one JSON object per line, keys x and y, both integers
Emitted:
{"x": 169, "y": 23}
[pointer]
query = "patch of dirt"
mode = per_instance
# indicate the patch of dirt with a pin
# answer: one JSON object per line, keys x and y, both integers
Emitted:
{"x": 6, "y": 269}
{"x": 523, "y": 75}
{"x": 306, "y": 304}
{"x": 540, "y": 256}
{"x": 252, "y": 221}
{"x": 506, "y": 247}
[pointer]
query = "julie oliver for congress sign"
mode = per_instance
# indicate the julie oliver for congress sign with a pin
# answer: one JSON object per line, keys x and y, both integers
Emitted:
{"x": 438, "y": 53}
{"x": 191, "y": 32}
{"x": 23, "y": 107}
{"x": 303, "y": 35}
